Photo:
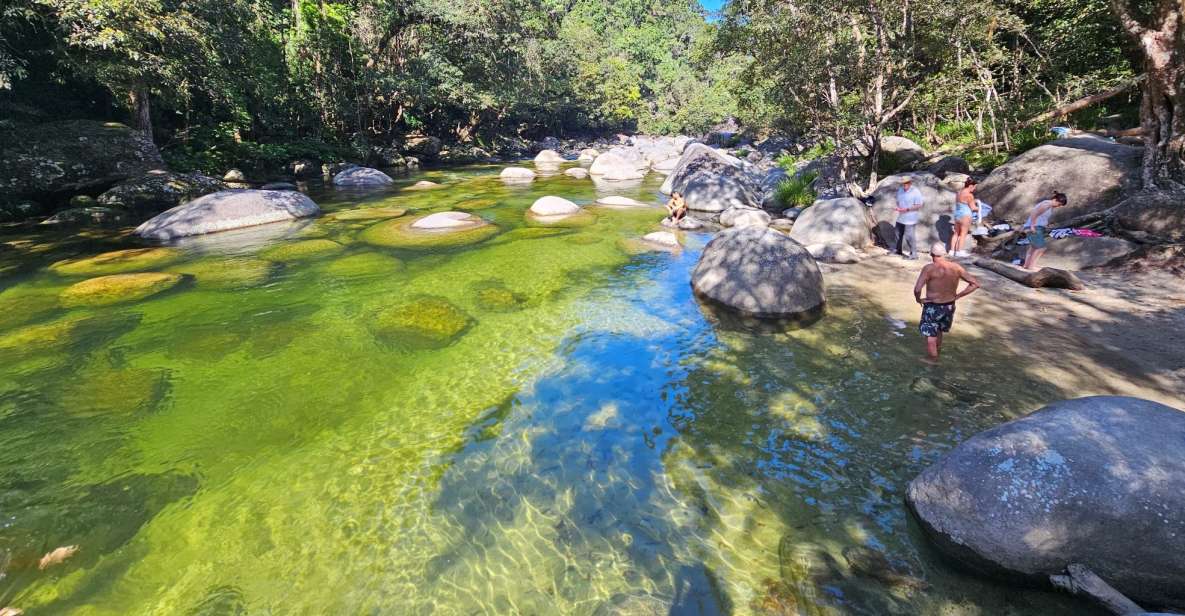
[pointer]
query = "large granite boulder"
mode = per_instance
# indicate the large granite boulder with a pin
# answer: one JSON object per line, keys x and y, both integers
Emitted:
{"x": 74, "y": 156}
{"x": 934, "y": 221}
{"x": 427, "y": 148}
{"x": 1159, "y": 214}
{"x": 231, "y": 209}
{"x": 159, "y": 190}
{"x": 759, "y": 272}
{"x": 899, "y": 153}
{"x": 712, "y": 181}
{"x": 517, "y": 174}
{"x": 1078, "y": 253}
{"x": 744, "y": 217}
{"x": 1098, "y": 481}
{"x": 554, "y": 206}
{"x": 549, "y": 157}
{"x": 362, "y": 177}
{"x": 588, "y": 155}
{"x": 1093, "y": 172}
{"x": 834, "y": 221}
{"x": 614, "y": 166}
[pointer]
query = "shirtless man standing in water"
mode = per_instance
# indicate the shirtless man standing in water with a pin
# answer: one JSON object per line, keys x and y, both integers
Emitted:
{"x": 940, "y": 280}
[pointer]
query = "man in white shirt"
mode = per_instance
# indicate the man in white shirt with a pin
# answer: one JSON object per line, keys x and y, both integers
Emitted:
{"x": 909, "y": 206}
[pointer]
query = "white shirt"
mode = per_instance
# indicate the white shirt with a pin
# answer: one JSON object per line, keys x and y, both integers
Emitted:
{"x": 911, "y": 198}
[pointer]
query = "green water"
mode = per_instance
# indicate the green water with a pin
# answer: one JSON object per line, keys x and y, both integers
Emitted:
{"x": 552, "y": 426}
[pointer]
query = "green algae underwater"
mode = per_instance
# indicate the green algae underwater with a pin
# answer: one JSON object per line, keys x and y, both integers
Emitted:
{"x": 539, "y": 419}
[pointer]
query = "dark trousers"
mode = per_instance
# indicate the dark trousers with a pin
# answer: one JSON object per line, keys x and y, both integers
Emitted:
{"x": 907, "y": 236}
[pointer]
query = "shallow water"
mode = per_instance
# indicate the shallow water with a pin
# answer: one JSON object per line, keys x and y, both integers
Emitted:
{"x": 571, "y": 435}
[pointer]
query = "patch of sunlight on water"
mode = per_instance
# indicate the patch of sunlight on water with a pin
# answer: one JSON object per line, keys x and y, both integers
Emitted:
{"x": 540, "y": 422}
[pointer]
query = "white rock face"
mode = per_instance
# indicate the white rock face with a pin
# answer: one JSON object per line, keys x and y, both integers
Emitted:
{"x": 554, "y": 206}
{"x": 588, "y": 155}
{"x": 619, "y": 201}
{"x": 613, "y": 166}
{"x": 446, "y": 220}
{"x": 662, "y": 238}
{"x": 517, "y": 174}
{"x": 577, "y": 172}
{"x": 228, "y": 209}
{"x": 549, "y": 156}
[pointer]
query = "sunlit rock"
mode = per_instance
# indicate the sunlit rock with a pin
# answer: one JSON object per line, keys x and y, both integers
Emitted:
{"x": 554, "y": 206}
{"x": 231, "y": 209}
{"x": 517, "y": 174}
{"x": 405, "y": 234}
{"x": 118, "y": 288}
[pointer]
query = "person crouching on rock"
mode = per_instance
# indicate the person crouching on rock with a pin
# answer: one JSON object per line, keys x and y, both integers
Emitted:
{"x": 940, "y": 281}
{"x": 1037, "y": 227}
{"x": 965, "y": 207}
{"x": 676, "y": 208}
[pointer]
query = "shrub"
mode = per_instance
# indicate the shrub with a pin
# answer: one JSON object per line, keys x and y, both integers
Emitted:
{"x": 796, "y": 191}
{"x": 819, "y": 150}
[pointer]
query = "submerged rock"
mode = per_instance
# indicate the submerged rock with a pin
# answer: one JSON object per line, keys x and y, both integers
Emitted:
{"x": 118, "y": 288}
{"x": 108, "y": 391}
{"x": 493, "y": 296}
{"x": 227, "y": 273}
{"x": 1097, "y": 481}
{"x": 425, "y": 323}
{"x": 364, "y": 265}
{"x": 362, "y": 177}
{"x": 116, "y": 262}
{"x": 405, "y": 233}
{"x": 759, "y": 272}
{"x": 306, "y": 249}
{"x": 231, "y": 209}
{"x": 369, "y": 213}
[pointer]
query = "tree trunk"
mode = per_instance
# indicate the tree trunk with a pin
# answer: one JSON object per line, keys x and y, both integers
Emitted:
{"x": 1046, "y": 277}
{"x": 141, "y": 110}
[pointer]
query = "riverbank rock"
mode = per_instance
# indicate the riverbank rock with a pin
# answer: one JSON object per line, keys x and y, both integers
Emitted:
{"x": 834, "y": 253}
{"x": 744, "y": 217}
{"x": 1159, "y": 214}
{"x": 234, "y": 175}
{"x": 362, "y": 177}
{"x": 231, "y": 209}
{"x": 159, "y": 190}
{"x": 118, "y": 288}
{"x": 834, "y": 221}
{"x": 425, "y": 147}
{"x": 428, "y": 232}
{"x": 279, "y": 186}
{"x": 711, "y": 181}
{"x": 74, "y": 156}
{"x": 87, "y": 216}
{"x": 1078, "y": 253}
{"x": 898, "y": 153}
{"x": 613, "y": 166}
{"x": 306, "y": 249}
{"x": 517, "y": 174}
{"x": 587, "y": 155}
{"x": 665, "y": 167}
{"x": 949, "y": 165}
{"x": 934, "y": 220}
{"x": 578, "y": 173}
{"x": 759, "y": 272}
{"x": 554, "y": 206}
{"x": 1098, "y": 481}
{"x": 1093, "y": 172}
{"x": 424, "y": 323}
{"x": 116, "y": 262}
{"x": 549, "y": 157}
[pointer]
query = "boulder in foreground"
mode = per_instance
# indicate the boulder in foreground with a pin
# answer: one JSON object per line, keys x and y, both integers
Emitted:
{"x": 759, "y": 272}
{"x": 230, "y": 209}
{"x": 1098, "y": 481}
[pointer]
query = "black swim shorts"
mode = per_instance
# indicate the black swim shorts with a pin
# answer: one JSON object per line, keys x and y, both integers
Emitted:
{"x": 936, "y": 318}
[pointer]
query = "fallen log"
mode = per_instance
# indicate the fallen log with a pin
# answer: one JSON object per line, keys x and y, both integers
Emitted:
{"x": 1079, "y": 580}
{"x": 1044, "y": 278}
{"x": 1082, "y": 103}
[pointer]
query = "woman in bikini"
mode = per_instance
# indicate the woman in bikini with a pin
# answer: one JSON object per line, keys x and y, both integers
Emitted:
{"x": 965, "y": 205}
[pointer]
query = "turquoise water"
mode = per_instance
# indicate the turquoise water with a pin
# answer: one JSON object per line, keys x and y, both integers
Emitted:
{"x": 541, "y": 422}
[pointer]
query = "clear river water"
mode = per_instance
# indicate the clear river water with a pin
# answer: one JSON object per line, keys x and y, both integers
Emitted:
{"x": 549, "y": 424}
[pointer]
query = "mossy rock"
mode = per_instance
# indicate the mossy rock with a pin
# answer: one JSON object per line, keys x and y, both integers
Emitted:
{"x": 115, "y": 391}
{"x": 204, "y": 344}
{"x": 475, "y": 204}
{"x": 530, "y": 233}
{"x": 400, "y": 234}
{"x": 269, "y": 339}
{"x": 307, "y": 249}
{"x": 582, "y": 218}
{"x": 41, "y": 337}
{"x": 117, "y": 262}
{"x": 371, "y": 213}
{"x": 585, "y": 239}
{"x": 363, "y": 265}
{"x": 493, "y": 296}
{"x": 25, "y": 307}
{"x": 118, "y": 288}
{"x": 227, "y": 273}
{"x": 424, "y": 323}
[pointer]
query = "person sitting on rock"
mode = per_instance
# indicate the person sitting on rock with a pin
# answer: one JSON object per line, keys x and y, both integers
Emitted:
{"x": 965, "y": 206}
{"x": 676, "y": 208}
{"x": 1037, "y": 227}
{"x": 940, "y": 281}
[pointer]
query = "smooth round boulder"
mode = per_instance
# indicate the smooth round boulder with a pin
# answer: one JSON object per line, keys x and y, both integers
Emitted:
{"x": 228, "y": 209}
{"x": 517, "y": 174}
{"x": 362, "y": 177}
{"x": 424, "y": 185}
{"x": 1098, "y": 481}
{"x": 448, "y": 220}
{"x": 549, "y": 157}
{"x": 613, "y": 166}
{"x": 554, "y": 206}
{"x": 401, "y": 233}
{"x": 834, "y": 221}
{"x": 900, "y": 153}
{"x": 759, "y": 272}
{"x": 833, "y": 253}
{"x": 587, "y": 155}
{"x": 234, "y": 175}
{"x": 118, "y": 288}
{"x": 578, "y": 173}
{"x": 744, "y": 217}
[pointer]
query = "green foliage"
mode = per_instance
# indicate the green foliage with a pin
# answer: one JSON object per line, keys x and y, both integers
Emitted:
{"x": 821, "y": 149}
{"x": 796, "y": 191}
{"x": 215, "y": 149}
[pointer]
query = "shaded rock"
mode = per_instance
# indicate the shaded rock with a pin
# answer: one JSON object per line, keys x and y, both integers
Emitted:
{"x": 690, "y": 223}
{"x": 898, "y": 153}
{"x": 411, "y": 162}
{"x": 279, "y": 186}
{"x": 424, "y": 323}
{"x": 577, "y": 172}
{"x": 118, "y": 288}
{"x": 1159, "y": 214}
{"x": 549, "y": 157}
{"x": 833, "y": 253}
{"x": 306, "y": 249}
{"x": 225, "y": 210}
{"x": 711, "y": 181}
{"x": 79, "y": 201}
{"x": 1093, "y": 172}
{"x": 1078, "y": 253}
{"x": 234, "y": 175}
{"x": 834, "y": 221}
{"x": 1098, "y": 481}
{"x": 665, "y": 167}
{"x": 332, "y": 169}
{"x": 448, "y": 221}
{"x": 159, "y": 190}
{"x": 86, "y": 216}
{"x": 792, "y": 213}
{"x": 517, "y": 174}
{"x": 554, "y": 206}
{"x": 948, "y": 165}
{"x": 362, "y": 176}
{"x": 759, "y": 272}
{"x": 403, "y": 234}
{"x": 73, "y": 156}
{"x": 387, "y": 156}
{"x": 619, "y": 201}
{"x": 19, "y": 210}
{"x": 426, "y": 148}
{"x": 116, "y": 262}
